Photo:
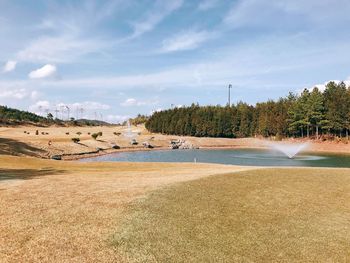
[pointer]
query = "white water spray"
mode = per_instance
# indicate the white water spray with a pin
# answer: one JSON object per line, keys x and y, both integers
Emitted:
{"x": 289, "y": 149}
{"x": 129, "y": 133}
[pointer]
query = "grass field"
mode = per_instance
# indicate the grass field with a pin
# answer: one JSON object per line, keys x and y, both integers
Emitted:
{"x": 59, "y": 211}
{"x": 269, "y": 215}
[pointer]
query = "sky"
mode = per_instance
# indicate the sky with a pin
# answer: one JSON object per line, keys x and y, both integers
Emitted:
{"x": 111, "y": 60}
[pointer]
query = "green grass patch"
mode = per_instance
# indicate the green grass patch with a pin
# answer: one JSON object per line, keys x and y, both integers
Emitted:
{"x": 269, "y": 215}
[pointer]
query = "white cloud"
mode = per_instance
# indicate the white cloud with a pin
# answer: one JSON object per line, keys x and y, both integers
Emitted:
{"x": 185, "y": 41}
{"x": 207, "y": 4}
{"x": 64, "y": 48}
{"x": 86, "y": 109}
{"x": 66, "y": 32}
{"x": 34, "y": 95}
{"x": 134, "y": 102}
{"x": 129, "y": 102}
{"x": 14, "y": 94}
{"x": 322, "y": 87}
{"x": 117, "y": 118}
{"x": 89, "y": 105}
{"x": 40, "y": 107}
{"x": 44, "y": 72}
{"x": 275, "y": 13}
{"x": 9, "y": 66}
{"x": 160, "y": 10}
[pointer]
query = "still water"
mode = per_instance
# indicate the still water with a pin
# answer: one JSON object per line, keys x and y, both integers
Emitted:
{"x": 249, "y": 157}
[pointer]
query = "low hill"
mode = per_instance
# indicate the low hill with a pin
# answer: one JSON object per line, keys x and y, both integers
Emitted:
{"x": 15, "y": 116}
{"x": 10, "y": 116}
{"x": 86, "y": 122}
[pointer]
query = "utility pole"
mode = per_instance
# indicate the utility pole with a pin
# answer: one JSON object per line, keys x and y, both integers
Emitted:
{"x": 56, "y": 112}
{"x": 81, "y": 112}
{"x": 229, "y": 95}
{"x": 68, "y": 111}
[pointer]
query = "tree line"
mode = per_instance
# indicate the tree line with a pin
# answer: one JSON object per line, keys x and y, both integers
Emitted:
{"x": 309, "y": 114}
{"x": 14, "y": 116}
{"x": 9, "y": 115}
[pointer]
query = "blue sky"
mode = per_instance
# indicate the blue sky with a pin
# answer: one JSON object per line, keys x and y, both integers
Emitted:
{"x": 114, "y": 59}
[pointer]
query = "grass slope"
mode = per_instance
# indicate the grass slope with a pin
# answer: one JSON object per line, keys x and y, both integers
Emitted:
{"x": 58, "y": 211}
{"x": 270, "y": 215}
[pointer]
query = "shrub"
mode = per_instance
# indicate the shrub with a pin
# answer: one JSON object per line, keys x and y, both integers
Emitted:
{"x": 99, "y": 133}
{"x": 117, "y": 133}
{"x": 76, "y": 140}
{"x": 79, "y": 133}
{"x": 89, "y": 133}
{"x": 67, "y": 133}
{"x": 36, "y": 132}
{"x": 94, "y": 136}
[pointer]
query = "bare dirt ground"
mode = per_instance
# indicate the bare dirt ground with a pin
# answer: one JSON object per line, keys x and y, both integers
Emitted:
{"x": 15, "y": 141}
{"x": 54, "y": 211}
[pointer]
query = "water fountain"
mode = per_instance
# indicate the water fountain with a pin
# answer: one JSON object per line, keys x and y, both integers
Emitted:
{"x": 288, "y": 149}
{"x": 130, "y": 134}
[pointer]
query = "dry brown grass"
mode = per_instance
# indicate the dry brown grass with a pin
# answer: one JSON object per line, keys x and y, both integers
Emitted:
{"x": 268, "y": 215}
{"x": 52, "y": 211}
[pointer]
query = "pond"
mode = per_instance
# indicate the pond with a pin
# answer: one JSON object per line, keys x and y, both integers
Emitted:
{"x": 248, "y": 157}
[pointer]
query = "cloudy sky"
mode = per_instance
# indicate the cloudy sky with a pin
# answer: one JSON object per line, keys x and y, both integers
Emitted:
{"x": 114, "y": 59}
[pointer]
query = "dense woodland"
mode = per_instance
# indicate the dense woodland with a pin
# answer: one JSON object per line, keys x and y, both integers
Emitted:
{"x": 13, "y": 115}
{"x": 314, "y": 113}
{"x": 139, "y": 119}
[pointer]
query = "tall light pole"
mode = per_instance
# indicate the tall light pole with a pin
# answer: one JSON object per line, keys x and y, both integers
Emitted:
{"x": 229, "y": 95}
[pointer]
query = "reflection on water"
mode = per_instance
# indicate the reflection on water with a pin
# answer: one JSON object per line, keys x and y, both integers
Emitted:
{"x": 258, "y": 157}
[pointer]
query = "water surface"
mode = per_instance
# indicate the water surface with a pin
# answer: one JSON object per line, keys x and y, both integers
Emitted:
{"x": 249, "y": 157}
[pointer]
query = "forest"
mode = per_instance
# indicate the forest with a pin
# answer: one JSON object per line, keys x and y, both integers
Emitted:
{"x": 313, "y": 114}
{"x": 9, "y": 115}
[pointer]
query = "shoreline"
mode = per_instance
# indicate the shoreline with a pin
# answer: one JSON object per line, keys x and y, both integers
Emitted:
{"x": 79, "y": 156}
{"x": 44, "y": 143}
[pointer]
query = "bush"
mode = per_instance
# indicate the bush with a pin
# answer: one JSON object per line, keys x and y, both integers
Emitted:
{"x": 117, "y": 133}
{"x": 79, "y": 133}
{"x": 67, "y": 133}
{"x": 94, "y": 136}
{"x": 36, "y": 132}
{"x": 76, "y": 140}
{"x": 99, "y": 133}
